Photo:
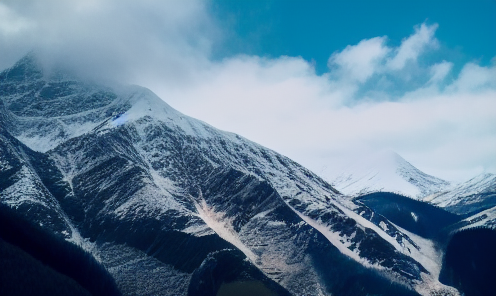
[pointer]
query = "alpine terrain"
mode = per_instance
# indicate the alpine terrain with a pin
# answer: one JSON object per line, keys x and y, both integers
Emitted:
{"x": 388, "y": 172}
{"x": 476, "y": 194}
{"x": 173, "y": 206}
{"x": 459, "y": 218}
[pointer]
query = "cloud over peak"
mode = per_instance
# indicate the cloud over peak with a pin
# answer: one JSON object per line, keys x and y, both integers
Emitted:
{"x": 375, "y": 96}
{"x": 117, "y": 39}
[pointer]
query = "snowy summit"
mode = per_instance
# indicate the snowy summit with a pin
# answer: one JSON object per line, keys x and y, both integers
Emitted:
{"x": 387, "y": 171}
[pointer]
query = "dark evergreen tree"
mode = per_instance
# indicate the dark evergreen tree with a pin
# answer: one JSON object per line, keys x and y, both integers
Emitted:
{"x": 415, "y": 216}
{"x": 21, "y": 274}
{"x": 469, "y": 263}
{"x": 53, "y": 251}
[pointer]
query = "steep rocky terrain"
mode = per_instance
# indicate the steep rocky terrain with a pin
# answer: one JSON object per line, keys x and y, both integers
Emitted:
{"x": 171, "y": 205}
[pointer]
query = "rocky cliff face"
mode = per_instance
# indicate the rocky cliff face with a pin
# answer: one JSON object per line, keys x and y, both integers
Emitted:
{"x": 164, "y": 200}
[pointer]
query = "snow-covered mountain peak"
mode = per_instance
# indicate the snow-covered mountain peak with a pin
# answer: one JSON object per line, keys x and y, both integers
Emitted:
{"x": 386, "y": 171}
{"x": 144, "y": 103}
{"x": 49, "y": 107}
{"x": 141, "y": 180}
{"x": 26, "y": 69}
{"x": 389, "y": 161}
{"x": 475, "y": 194}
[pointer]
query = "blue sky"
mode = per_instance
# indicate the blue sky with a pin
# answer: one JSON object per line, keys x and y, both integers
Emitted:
{"x": 315, "y": 29}
{"x": 322, "y": 82}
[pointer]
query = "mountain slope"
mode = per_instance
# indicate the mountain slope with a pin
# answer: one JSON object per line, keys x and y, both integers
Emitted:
{"x": 474, "y": 195}
{"x": 152, "y": 189}
{"x": 37, "y": 252}
{"x": 21, "y": 186}
{"x": 387, "y": 172}
{"x": 415, "y": 216}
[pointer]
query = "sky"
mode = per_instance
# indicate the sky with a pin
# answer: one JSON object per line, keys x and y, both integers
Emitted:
{"x": 322, "y": 82}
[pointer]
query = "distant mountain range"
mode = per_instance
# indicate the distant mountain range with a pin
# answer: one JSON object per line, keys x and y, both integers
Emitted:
{"x": 474, "y": 195}
{"x": 172, "y": 206}
{"x": 388, "y": 172}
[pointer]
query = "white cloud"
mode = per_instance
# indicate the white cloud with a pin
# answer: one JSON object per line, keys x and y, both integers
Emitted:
{"x": 284, "y": 105}
{"x": 413, "y": 46}
{"x": 11, "y": 23}
{"x": 120, "y": 39}
{"x": 281, "y": 103}
{"x": 359, "y": 62}
{"x": 373, "y": 60}
{"x": 439, "y": 71}
{"x": 474, "y": 78}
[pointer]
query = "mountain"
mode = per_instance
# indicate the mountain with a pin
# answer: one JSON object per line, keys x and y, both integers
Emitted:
{"x": 483, "y": 219}
{"x": 387, "y": 172}
{"x": 474, "y": 195}
{"x": 171, "y": 205}
{"x": 421, "y": 218}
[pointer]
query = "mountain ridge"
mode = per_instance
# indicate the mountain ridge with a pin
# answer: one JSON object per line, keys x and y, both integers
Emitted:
{"x": 476, "y": 194}
{"x": 387, "y": 171}
{"x": 136, "y": 179}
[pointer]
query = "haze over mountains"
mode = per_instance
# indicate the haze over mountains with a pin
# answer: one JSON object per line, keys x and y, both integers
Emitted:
{"x": 171, "y": 205}
{"x": 389, "y": 172}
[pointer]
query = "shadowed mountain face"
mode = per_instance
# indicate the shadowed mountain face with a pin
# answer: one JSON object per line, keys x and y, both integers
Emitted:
{"x": 415, "y": 216}
{"x": 171, "y": 205}
{"x": 35, "y": 261}
{"x": 470, "y": 262}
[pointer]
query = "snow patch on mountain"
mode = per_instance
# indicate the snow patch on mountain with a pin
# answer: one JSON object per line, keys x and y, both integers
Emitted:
{"x": 222, "y": 225}
{"x": 149, "y": 199}
{"x": 431, "y": 258}
{"x": 427, "y": 254}
{"x": 470, "y": 192}
{"x": 51, "y": 137}
{"x": 27, "y": 189}
{"x": 85, "y": 243}
{"x": 339, "y": 241}
{"x": 403, "y": 247}
{"x": 144, "y": 103}
{"x": 386, "y": 171}
{"x": 199, "y": 229}
{"x": 4, "y": 165}
{"x": 485, "y": 218}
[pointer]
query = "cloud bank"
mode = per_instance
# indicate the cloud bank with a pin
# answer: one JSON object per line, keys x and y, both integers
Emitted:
{"x": 116, "y": 39}
{"x": 375, "y": 96}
